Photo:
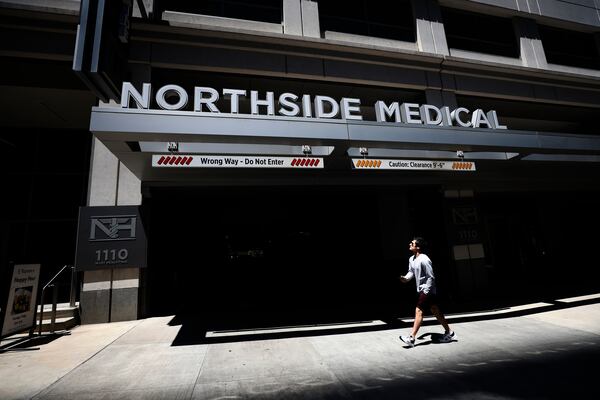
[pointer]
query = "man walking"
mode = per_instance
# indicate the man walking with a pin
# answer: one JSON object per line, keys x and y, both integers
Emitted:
{"x": 420, "y": 268}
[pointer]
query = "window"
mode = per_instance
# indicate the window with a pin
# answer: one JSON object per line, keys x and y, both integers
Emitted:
{"x": 576, "y": 49}
{"x": 255, "y": 10}
{"x": 480, "y": 33}
{"x": 393, "y": 20}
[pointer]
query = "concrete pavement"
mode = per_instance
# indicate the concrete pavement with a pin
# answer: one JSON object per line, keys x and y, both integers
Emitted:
{"x": 550, "y": 351}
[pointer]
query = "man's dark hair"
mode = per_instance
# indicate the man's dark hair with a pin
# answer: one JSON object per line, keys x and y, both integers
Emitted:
{"x": 420, "y": 243}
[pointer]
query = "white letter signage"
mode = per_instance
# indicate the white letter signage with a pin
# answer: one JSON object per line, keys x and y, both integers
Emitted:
{"x": 308, "y": 106}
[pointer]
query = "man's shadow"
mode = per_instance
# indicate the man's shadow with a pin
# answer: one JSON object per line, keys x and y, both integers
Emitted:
{"x": 429, "y": 338}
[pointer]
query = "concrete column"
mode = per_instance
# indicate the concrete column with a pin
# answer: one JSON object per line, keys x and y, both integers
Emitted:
{"x": 104, "y": 170}
{"x": 292, "y": 17}
{"x": 126, "y": 281}
{"x": 102, "y": 191}
{"x": 530, "y": 43}
{"x": 310, "y": 19}
{"x": 125, "y": 287}
{"x": 95, "y": 296}
{"x": 431, "y": 37}
{"x": 129, "y": 188}
{"x": 110, "y": 295}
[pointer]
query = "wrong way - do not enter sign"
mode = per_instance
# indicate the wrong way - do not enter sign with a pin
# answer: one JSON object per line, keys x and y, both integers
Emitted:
{"x": 212, "y": 161}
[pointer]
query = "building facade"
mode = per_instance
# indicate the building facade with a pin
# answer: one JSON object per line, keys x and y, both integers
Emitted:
{"x": 471, "y": 123}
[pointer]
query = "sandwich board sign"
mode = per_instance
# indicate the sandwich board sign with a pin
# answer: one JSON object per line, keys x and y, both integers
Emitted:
{"x": 19, "y": 313}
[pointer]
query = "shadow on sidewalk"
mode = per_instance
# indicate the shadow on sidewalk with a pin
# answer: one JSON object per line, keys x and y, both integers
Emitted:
{"x": 229, "y": 328}
{"x": 29, "y": 343}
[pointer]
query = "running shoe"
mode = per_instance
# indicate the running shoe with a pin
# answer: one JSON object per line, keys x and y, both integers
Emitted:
{"x": 448, "y": 337}
{"x": 409, "y": 340}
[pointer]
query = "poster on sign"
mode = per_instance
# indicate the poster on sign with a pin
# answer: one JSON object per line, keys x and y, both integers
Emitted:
{"x": 19, "y": 313}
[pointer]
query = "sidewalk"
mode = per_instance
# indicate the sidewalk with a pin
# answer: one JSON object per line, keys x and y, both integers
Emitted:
{"x": 541, "y": 354}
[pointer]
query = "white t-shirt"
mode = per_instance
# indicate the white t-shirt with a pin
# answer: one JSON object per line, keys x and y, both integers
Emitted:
{"x": 421, "y": 269}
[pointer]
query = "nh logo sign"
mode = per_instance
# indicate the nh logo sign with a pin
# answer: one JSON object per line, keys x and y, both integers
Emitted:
{"x": 120, "y": 227}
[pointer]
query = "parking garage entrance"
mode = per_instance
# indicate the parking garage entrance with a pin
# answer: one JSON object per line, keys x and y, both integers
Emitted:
{"x": 285, "y": 254}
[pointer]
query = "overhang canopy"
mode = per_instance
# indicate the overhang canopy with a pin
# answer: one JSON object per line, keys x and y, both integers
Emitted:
{"x": 117, "y": 128}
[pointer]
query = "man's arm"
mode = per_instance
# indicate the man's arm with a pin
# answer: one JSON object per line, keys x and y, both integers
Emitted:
{"x": 407, "y": 277}
{"x": 428, "y": 269}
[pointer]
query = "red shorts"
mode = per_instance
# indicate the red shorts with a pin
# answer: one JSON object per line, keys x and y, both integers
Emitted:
{"x": 425, "y": 301}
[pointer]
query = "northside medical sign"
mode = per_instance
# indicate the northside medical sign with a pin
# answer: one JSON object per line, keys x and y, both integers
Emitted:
{"x": 308, "y": 106}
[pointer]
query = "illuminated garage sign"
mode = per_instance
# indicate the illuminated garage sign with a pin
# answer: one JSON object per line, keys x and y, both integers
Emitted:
{"x": 186, "y": 161}
{"x": 306, "y": 106}
{"x": 421, "y": 165}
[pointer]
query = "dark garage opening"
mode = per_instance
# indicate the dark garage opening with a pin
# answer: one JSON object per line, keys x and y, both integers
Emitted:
{"x": 237, "y": 257}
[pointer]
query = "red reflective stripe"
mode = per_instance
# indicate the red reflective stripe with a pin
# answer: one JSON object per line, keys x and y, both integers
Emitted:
{"x": 160, "y": 160}
{"x": 189, "y": 160}
{"x": 312, "y": 162}
{"x": 294, "y": 162}
{"x": 167, "y": 159}
{"x": 317, "y": 162}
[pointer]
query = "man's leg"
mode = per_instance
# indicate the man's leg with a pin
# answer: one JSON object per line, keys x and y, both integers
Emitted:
{"x": 422, "y": 303}
{"x": 418, "y": 321}
{"x": 440, "y": 317}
